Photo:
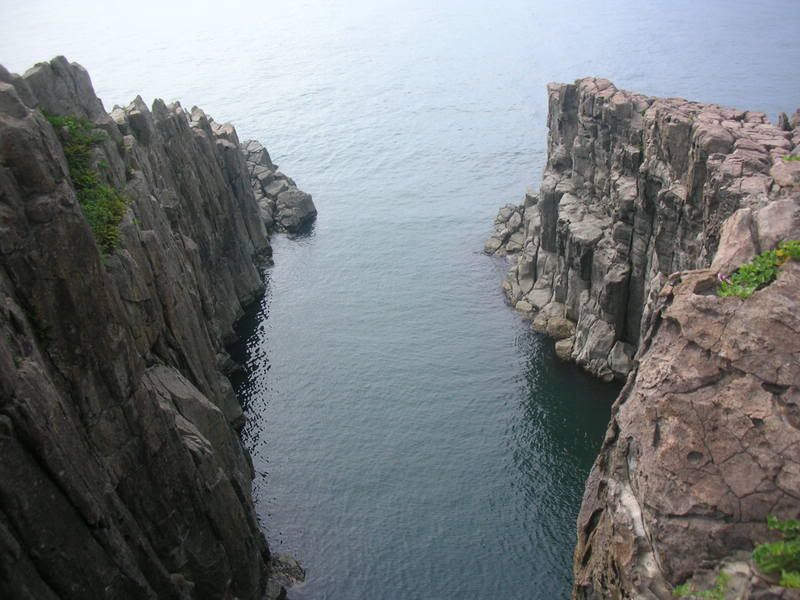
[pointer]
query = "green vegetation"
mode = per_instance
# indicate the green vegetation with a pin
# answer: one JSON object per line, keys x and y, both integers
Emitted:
{"x": 782, "y": 556}
{"x": 714, "y": 593}
{"x": 759, "y": 272}
{"x": 792, "y": 158}
{"x": 682, "y": 590}
{"x": 103, "y": 206}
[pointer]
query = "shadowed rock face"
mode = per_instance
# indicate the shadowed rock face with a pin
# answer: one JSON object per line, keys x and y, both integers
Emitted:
{"x": 122, "y": 475}
{"x": 636, "y": 188}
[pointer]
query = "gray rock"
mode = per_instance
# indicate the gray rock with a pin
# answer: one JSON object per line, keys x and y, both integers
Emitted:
{"x": 122, "y": 473}
{"x": 294, "y": 209}
{"x": 508, "y": 236}
{"x": 282, "y": 206}
{"x": 524, "y": 307}
{"x": 560, "y": 328}
{"x": 615, "y": 213}
{"x": 620, "y": 359}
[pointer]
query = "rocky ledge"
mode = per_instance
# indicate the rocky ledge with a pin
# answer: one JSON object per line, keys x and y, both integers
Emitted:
{"x": 636, "y": 188}
{"x": 645, "y": 202}
{"x": 122, "y": 475}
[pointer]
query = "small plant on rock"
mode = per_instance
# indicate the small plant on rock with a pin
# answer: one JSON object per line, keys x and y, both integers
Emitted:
{"x": 102, "y": 205}
{"x": 783, "y": 556}
{"x": 759, "y": 272}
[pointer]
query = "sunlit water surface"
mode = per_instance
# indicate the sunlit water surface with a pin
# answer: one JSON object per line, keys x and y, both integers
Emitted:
{"x": 412, "y": 438}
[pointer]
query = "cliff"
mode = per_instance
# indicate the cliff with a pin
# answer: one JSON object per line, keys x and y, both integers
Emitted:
{"x": 643, "y": 203}
{"x": 634, "y": 189}
{"x": 122, "y": 475}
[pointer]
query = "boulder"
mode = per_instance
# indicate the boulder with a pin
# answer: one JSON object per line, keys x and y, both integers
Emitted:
{"x": 564, "y": 348}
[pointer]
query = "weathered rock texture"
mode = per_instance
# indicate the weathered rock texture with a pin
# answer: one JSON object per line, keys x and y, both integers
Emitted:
{"x": 643, "y": 202}
{"x": 122, "y": 475}
{"x": 703, "y": 445}
{"x": 283, "y": 207}
{"x": 636, "y": 188}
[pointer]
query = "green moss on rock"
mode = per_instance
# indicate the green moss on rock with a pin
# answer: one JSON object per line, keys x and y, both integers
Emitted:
{"x": 102, "y": 205}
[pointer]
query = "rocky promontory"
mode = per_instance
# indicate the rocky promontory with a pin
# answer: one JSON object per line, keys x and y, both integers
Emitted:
{"x": 645, "y": 204}
{"x": 122, "y": 474}
{"x": 636, "y": 188}
{"x": 283, "y": 207}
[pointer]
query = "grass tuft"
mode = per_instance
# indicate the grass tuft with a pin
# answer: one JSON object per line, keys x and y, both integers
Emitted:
{"x": 102, "y": 205}
{"x": 759, "y": 272}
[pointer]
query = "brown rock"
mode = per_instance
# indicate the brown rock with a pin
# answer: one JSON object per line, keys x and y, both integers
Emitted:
{"x": 695, "y": 457}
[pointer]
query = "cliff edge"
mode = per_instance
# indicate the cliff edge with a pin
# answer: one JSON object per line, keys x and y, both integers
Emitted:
{"x": 636, "y": 188}
{"x": 644, "y": 203}
{"x": 122, "y": 473}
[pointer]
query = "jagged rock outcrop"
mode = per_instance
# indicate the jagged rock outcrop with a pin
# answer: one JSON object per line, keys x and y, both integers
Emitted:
{"x": 122, "y": 475}
{"x": 283, "y": 207}
{"x": 644, "y": 203}
{"x": 703, "y": 445}
{"x": 636, "y": 188}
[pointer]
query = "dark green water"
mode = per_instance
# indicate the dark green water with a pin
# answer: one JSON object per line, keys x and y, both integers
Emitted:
{"x": 413, "y": 438}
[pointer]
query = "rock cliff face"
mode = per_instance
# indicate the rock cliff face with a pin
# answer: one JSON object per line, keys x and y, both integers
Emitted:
{"x": 122, "y": 475}
{"x": 644, "y": 202}
{"x": 636, "y": 188}
{"x": 703, "y": 445}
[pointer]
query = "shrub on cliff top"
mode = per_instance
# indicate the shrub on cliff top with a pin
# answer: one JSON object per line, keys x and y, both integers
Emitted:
{"x": 102, "y": 205}
{"x": 759, "y": 272}
{"x": 783, "y": 556}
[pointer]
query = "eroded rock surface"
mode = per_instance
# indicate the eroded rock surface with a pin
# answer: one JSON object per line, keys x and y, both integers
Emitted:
{"x": 509, "y": 233}
{"x": 636, "y": 188}
{"x": 122, "y": 475}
